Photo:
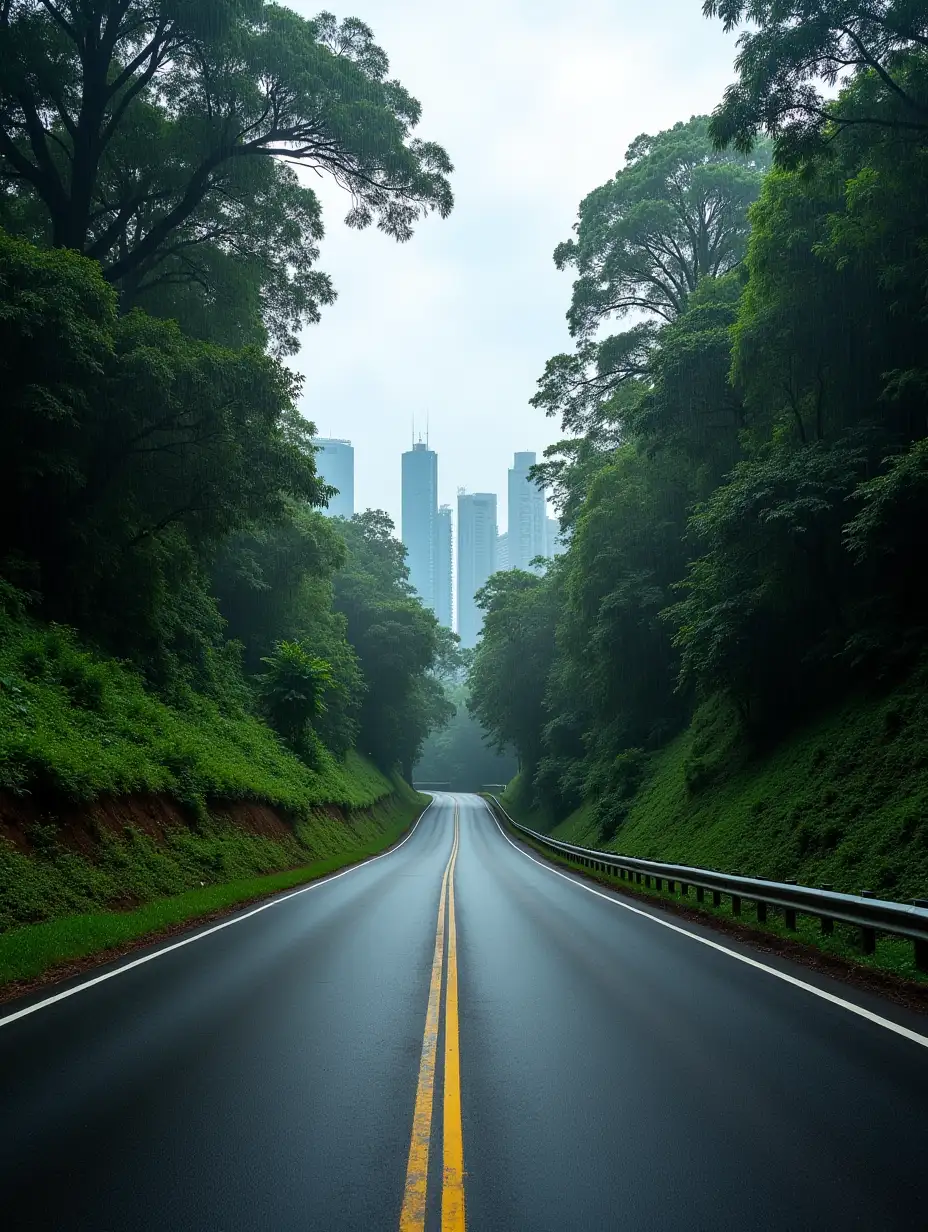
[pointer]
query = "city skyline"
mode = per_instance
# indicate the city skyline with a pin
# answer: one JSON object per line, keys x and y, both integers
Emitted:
{"x": 444, "y": 578}
{"x": 443, "y": 496}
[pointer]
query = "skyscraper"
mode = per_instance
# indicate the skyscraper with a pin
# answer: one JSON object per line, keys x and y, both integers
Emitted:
{"x": 420, "y": 512}
{"x": 553, "y": 544}
{"x": 335, "y": 463}
{"x": 502, "y": 552}
{"x": 526, "y": 514}
{"x": 476, "y": 558}
{"x": 443, "y": 567}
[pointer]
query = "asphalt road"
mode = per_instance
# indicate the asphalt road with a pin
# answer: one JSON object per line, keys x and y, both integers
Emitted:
{"x": 324, "y": 1062}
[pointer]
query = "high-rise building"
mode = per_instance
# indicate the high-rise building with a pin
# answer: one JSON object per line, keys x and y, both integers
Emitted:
{"x": 476, "y": 558}
{"x": 443, "y": 566}
{"x": 502, "y": 552}
{"x": 554, "y": 545}
{"x": 526, "y": 514}
{"x": 335, "y": 463}
{"x": 420, "y": 512}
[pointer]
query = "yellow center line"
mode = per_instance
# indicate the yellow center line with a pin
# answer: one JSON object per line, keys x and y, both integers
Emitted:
{"x": 452, "y": 1193}
{"x": 412, "y": 1216}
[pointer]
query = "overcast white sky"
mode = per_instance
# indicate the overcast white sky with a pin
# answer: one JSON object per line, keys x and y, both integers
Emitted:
{"x": 536, "y": 102}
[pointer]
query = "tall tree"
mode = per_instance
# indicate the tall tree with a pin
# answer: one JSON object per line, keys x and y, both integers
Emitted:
{"x": 676, "y": 213}
{"x": 791, "y": 47}
{"x": 149, "y": 134}
{"x": 398, "y": 643}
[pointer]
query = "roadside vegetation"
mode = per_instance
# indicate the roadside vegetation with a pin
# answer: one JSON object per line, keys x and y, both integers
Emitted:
{"x": 64, "y": 890}
{"x": 726, "y": 666}
{"x": 458, "y": 754}
{"x": 182, "y": 631}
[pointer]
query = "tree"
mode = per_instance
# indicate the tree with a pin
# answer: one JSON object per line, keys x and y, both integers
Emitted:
{"x": 128, "y": 453}
{"x": 459, "y": 753}
{"x": 293, "y": 687}
{"x": 765, "y": 613}
{"x": 398, "y": 642}
{"x": 793, "y": 45}
{"x": 158, "y": 137}
{"x": 675, "y": 214}
{"x": 510, "y": 668}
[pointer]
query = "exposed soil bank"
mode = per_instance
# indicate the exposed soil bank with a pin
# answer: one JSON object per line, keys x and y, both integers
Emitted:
{"x": 90, "y": 883}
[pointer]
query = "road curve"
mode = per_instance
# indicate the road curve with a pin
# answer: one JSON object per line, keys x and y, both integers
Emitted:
{"x": 455, "y": 1033}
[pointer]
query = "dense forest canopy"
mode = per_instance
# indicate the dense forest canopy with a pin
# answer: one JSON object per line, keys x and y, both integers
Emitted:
{"x": 160, "y": 139}
{"x": 157, "y": 258}
{"x": 743, "y": 482}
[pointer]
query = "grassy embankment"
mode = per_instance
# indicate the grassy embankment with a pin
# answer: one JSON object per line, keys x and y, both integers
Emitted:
{"x": 842, "y": 801}
{"x": 121, "y": 816}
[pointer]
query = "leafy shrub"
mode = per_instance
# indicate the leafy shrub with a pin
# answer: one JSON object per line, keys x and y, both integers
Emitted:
{"x": 292, "y": 690}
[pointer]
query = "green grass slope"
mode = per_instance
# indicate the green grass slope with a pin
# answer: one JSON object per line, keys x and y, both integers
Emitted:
{"x": 65, "y": 892}
{"x": 77, "y": 725}
{"x": 842, "y": 801}
{"x": 121, "y": 814}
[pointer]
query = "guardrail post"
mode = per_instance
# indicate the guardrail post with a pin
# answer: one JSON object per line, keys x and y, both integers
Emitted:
{"x": 921, "y": 947}
{"x": 700, "y": 894}
{"x": 684, "y": 890}
{"x": 658, "y": 884}
{"x": 867, "y": 935}
{"x": 828, "y": 924}
{"x": 761, "y": 912}
{"x": 789, "y": 913}
{"x": 716, "y": 898}
{"x": 736, "y": 904}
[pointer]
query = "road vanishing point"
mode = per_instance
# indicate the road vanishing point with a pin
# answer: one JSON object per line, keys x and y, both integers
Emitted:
{"x": 458, "y": 1035}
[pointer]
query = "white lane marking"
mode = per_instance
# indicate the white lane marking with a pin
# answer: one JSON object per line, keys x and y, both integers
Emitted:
{"x": 207, "y": 932}
{"x": 723, "y": 949}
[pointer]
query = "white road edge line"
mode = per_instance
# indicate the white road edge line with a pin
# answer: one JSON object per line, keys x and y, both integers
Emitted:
{"x": 859, "y": 1010}
{"x": 207, "y": 932}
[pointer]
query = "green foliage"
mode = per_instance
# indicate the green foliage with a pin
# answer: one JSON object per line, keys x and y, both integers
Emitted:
{"x": 744, "y": 484}
{"x": 399, "y": 644}
{"x": 509, "y": 671}
{"x": 159, "y": 140}
{"x": 132, "y": 455}
{"x": 674, "y": 215}
{"x": 789, "y": 47}
{"x": 76, "y": 726}
{"x": 839, "y": 801}
{"x": 53, "y": 902}
{"x": 292, "y": 690}
{"x": 459, "y": 754}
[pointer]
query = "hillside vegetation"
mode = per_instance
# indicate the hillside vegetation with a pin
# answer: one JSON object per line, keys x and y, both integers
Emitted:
{"x": 122, "y": 814}
{"x": 842, "y": 802}
{"x": 76, "y": 725}
{"x": 714, "y": 670}
{"x": 203, "y": 679}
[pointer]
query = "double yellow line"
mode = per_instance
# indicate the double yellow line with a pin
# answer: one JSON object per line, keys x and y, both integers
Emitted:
{"x": 412, "y": 1217}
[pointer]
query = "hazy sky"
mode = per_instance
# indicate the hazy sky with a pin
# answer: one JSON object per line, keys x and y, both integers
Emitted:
{"x": 536, "y": 103}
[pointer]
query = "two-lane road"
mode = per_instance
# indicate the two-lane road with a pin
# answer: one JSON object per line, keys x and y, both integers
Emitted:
{"x": 457, "y": 1032}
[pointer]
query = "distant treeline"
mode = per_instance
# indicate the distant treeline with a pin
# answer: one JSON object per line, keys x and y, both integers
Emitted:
{"x": 743, "y": 482}
{"x": 157, "y": 256}
{"x": 458, "y": 754}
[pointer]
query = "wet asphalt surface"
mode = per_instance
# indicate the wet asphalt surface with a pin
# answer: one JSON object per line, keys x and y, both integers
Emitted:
{"x": 616, "y": 1074}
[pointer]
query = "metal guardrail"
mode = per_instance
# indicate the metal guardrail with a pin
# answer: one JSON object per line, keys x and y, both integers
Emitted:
{"x": 870, "y": 914}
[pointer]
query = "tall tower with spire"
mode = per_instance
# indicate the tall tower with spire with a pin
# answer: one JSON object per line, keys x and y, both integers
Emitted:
{"x": 420, "y": 516}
